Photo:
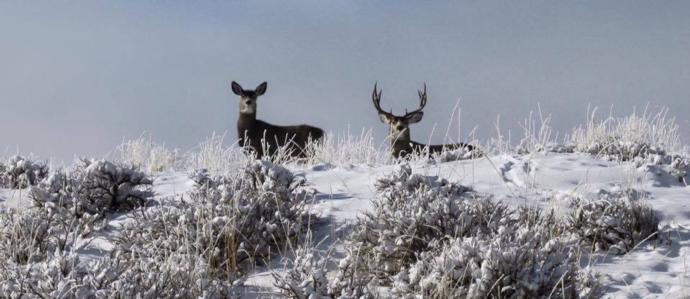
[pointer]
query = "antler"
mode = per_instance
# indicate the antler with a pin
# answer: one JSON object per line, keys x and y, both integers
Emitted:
{"x": 422, "y": 101}
{"x": 377, "y": 101}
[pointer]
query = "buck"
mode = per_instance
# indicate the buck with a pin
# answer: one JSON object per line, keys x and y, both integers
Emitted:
{"x": 399, "y": 129}
{"x": 264, "y": 138}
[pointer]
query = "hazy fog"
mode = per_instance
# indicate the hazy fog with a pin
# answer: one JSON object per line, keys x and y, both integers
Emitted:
{"x": 76, "y": 77}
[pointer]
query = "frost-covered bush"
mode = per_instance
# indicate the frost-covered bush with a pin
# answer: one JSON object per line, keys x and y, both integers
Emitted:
{"x": 232, "y": 222}
{"x": 639, "y": 138}
{"x": 413, "y": 209}
{"x": 643, "y": 139}
{"x": 460, "y": 153}
{"x": 552, "y": 147}
{"x": 616, "y": 149}
{"x": 410, "y": 213}
{"x": 39, "y": 249}
{"x": 518, "y": 261}
{"x": 94, "y": 187}
{"x": 306, "y": 276}
{"x": 65, "y": 275}
{"x": 55, "y": 277}
{"x": 527, "y": 258}
{"x": 27, "y": 236}
{"x": 428, "y": 238}
{"x": 33, "y": 243}
{"x": 202, "y": 246}
{"x": 627, "y": 137}
{"x": 37, "y": 244}
{"x": 158, "y": 275}
{"x": 105, "y": 186}
{"x": 184, "y": 232}
{"x": 51, "y": 224}
{"x": 20, "y": 172}
{"x": 350, "y": 281}
{"x": 403, "y": 183}
{"x": 615, "y": 222}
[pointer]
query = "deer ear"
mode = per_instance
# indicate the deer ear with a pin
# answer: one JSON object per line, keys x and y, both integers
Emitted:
{"x": 415, "y": 117}
{"x": 384, "y": 118}
{"x": 236, "y": 88}
{"x": 261, "y": 89}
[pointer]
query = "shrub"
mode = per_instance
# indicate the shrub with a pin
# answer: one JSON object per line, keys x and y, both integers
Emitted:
{"x": 640, "y": 138}
{"x": 349, "y": 280}
{"x": 615, "y": 222}
{"x": 617, "y": 149}
{"x": 20, "y": 172}
{"x": 628, "y": 137}
{"x": 37, "y": 247}
{"x": 412, "y": 210}
{"x": 305, "y": 277}
{"x": 231, "y": 222}
{"x": 427, "y": 237}
{"x": 199, "y": 247}
{"x": 64, "y": 274}
{"x": 409, "y": 214}
{"x": 27, "y": 236}
{"x": 458, "y": 154}
{"x": 53, "y": 277}
{"x": 158, "y": 275}
{"x": 109, "y": 187}
{"x": 515, "y": 262}
{"x": 94, "y": 188}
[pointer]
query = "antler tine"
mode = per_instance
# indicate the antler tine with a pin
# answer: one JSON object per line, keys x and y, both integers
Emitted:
{"x": 376, "y": 97}
{"x": 422, "y": 101}
{"x": 422, "y": 97}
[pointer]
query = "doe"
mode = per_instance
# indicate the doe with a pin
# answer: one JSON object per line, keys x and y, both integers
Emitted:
{"x": 264, "y": 138}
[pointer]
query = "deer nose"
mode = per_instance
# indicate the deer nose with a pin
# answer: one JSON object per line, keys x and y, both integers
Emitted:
{"x": 400, "y": 128}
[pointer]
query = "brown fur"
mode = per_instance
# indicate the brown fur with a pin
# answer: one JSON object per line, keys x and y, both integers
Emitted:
{"x": 401, "y": 149}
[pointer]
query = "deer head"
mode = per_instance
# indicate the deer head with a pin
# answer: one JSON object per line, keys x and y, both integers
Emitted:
{"x": 248, "y": 97}
{"x": 399, "y": 125}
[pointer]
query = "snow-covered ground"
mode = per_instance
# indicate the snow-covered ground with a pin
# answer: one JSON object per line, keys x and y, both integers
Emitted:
{"x": 641, "y": 154}
{"x": 547, "y": 180}
{"x": 541, "y": 179}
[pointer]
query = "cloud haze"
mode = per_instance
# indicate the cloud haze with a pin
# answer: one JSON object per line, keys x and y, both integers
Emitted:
{"x": 78, "y": 77}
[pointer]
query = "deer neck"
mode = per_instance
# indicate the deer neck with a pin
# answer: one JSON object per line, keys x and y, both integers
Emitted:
{"x": 401, "y": 142}
{"x": 246, "y": 120}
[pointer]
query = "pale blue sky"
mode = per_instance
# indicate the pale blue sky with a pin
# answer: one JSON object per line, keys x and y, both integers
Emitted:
{"x": 78, "y": 76}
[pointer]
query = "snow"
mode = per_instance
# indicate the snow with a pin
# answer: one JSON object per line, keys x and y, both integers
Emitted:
{"x": 540, "y": 179}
